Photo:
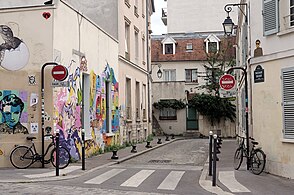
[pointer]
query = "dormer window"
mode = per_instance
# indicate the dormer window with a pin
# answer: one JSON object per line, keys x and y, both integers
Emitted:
{"x": 189, "y": 47}
{"x": 212, "y": 47}
{"x": 212, "y": 44}
{"x": 168, "y": 45}
{"x": 169, "y": 48}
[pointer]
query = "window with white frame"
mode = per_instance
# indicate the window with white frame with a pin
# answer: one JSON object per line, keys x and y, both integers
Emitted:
{"x": 136, "y": 9}
{"x": 143, "y": 51}
{"x": 128, "y": 99}
{"x": 169, "y": 74}
{"x": 191, "y": 75}
{"x": 189, "y": 46}
{"x": 127, "y": 39}
{"x": 291, "y": 12}
{"x": 212, "y": 43}
{"x": 136, "y": 45}
{"x": 288, "y": 102}
{"x": 143, "y": 8}
{"x": 144, "y": 102}
{"x": 169, "y": 48}
{"x": 168, "y": 113}
{"x": 270, "y": 15}
{"x": 168, "y": 45}
{"x": 212, "y": 47}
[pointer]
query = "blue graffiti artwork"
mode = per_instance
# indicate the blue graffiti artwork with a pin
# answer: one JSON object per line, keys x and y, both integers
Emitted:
{"x": 11, "y": 107}
{"x": 70, "y": 143}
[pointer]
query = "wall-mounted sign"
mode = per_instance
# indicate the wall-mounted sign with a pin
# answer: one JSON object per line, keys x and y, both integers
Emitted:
{"x": 258, "y": 74}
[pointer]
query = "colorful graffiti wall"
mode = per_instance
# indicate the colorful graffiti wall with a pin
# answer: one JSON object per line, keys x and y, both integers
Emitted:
{"x": 67, "y": 111}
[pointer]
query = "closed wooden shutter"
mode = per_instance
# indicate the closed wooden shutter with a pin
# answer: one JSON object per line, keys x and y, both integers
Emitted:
{"x": 288, "y": 102}
{"x": 270, "y": 16}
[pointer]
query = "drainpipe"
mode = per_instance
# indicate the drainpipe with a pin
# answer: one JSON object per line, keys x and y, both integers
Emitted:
{"x": 148, "y": 64}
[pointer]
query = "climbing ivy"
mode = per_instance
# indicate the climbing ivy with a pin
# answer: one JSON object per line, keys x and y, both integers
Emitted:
{"x": 175, "y": 104}
{"x": 213, "y": 107}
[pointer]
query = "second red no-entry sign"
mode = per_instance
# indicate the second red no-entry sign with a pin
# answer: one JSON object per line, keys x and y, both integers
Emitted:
{"x": 227, "y": 82}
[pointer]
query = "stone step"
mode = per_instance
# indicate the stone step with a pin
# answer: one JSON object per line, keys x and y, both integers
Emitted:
{"x": 194, "y": 134}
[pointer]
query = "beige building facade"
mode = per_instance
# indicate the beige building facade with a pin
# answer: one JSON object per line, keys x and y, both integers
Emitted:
{"x": 57, "y": 34}
{"x": 270, "y": 77}
{"x": 181, "y": 58}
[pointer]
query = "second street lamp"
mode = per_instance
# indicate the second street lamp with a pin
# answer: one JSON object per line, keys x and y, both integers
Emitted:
{"x": 228, "y": 24}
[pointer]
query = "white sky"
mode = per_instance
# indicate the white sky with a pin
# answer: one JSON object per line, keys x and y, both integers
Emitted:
{"x": 157, "y": 25}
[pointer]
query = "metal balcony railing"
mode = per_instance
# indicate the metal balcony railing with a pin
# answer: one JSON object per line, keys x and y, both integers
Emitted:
{"x": 164, "y": 16}
{"x": 144, "y": 114}
{"x": 127, "y": 55}
{"x": 137, "y": 114}
{"x": 288, "y": 22}
{"x": 164, "y": 12}
{"x": 136, "y": 11}
{"x": 128, "y": 113}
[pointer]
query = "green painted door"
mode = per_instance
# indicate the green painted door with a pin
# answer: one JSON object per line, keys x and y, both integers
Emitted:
{"x": 192, "y": 119}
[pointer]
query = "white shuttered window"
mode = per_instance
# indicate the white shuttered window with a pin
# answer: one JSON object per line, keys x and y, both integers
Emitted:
{"x": 270, "y": 16}
{"x": 288, "y": 102}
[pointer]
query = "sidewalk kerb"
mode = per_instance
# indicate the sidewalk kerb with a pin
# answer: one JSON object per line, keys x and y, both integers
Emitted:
{"x": 66, "y": 177}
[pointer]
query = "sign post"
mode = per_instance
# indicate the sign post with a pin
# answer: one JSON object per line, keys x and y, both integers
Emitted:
{"x": 227, "y": 82}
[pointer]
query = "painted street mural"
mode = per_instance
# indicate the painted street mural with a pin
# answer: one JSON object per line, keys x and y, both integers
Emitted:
{"x": 14, "y": 54}
{"x": 14, "y": 115}
{"x": 67, "y": 111}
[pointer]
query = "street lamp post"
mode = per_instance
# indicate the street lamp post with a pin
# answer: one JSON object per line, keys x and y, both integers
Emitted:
{"x": 246, "y": 110}
{"x": 228, "y": 25}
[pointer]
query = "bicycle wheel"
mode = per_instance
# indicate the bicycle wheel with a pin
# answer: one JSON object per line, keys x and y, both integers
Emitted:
{"x": 21, "y": 157}
{"x": 238, "y": 158}
{"x": 257, "y": 161}
{"x": 64, "y": 157}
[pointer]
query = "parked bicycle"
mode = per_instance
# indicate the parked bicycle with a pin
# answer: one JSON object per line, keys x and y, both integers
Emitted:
{"x": 23, "y": 157}
{"x": 257, "y": 157}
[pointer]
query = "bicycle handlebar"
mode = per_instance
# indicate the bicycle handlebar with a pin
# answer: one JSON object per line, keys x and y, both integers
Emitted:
{"x": 244, "y": 137}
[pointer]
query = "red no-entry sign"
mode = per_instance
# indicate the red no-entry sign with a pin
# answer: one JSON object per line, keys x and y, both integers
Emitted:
{"x": 59, "y": 72}
{"x": 227, "y": 82}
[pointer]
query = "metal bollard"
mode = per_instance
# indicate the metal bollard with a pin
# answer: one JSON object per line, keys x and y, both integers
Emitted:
{"x": 159, "y": 141}
{"x": 167, "y": 138}
{"x": 83, "y": 150}
{"x": 172, "y": 136}
{"x": 57, "y": 152}
{"x": 214, "y": 160}
{"x": 210, "y": 154}
{"x": 134, "y": 150}
{"x": 114, "y": 154}
{"x": 148, "y": 145}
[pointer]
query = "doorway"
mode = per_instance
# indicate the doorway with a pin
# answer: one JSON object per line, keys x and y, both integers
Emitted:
{"x": 192, "y": 119}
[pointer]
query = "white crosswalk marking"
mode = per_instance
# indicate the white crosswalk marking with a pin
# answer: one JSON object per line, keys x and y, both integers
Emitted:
{"x": 228, "y": 179}
{"x": 53, "y": 173}
{"x": 138, "y": 178}
{"x": 105, "y": 176}
{"x": 171, "y": 181}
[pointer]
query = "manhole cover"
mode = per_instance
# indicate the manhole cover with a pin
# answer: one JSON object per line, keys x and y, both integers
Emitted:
{"x": 159, "y": 161}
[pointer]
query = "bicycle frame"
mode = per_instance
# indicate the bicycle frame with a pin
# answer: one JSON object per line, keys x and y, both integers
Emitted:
{"x": 37, "y": 156}
{"x": 244, "y": 148}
